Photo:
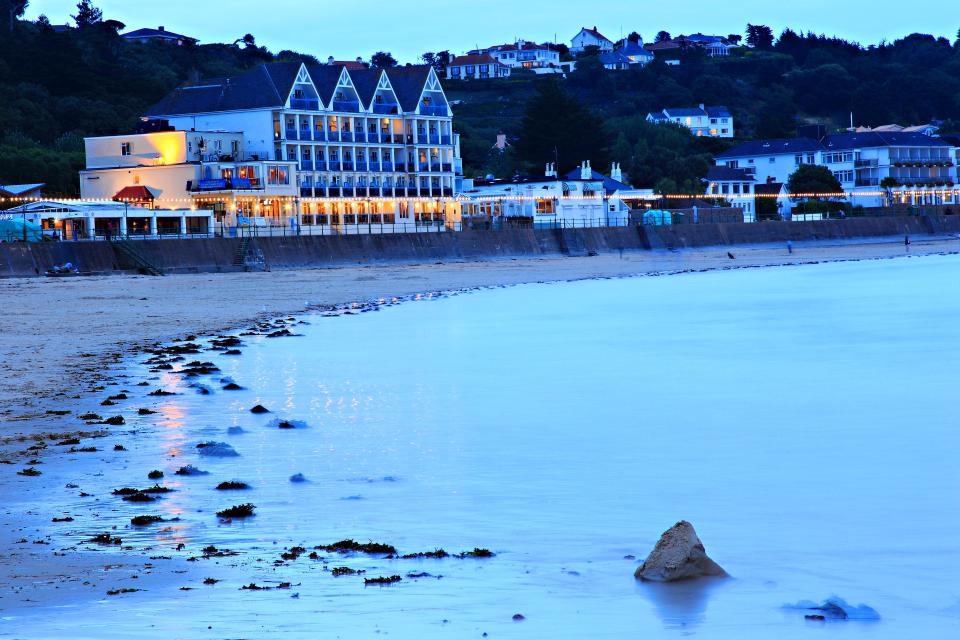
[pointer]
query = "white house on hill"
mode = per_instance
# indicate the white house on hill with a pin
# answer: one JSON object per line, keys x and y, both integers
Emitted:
{"x": 713, "y": 122}
{"x": 590, "y": 38}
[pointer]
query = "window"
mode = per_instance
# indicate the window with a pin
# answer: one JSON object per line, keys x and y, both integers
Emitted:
{"x": 454, "y": 71}
{"x": 837, "y": 157}
{"x": 125, "y": 148}
{"x": 844, "y": 176}
{"x": 798, "y": 159}
{"x": 810, "y": 158}
{"x": 298, "y": 93}
{"x": 277, "y": 175}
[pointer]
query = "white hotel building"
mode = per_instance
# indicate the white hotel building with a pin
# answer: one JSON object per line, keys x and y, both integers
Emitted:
{"x": 294, "y": 144}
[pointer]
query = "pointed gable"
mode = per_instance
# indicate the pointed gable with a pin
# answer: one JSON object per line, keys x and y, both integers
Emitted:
{"x": 409, "y": 84}
{"x": 325, "y": 78}
{"x": 366, "y": 82}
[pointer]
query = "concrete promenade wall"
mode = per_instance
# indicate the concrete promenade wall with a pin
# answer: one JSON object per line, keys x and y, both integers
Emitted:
{"x": 217, "y": 254}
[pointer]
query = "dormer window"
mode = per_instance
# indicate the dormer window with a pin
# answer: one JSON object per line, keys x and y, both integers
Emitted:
{"x": 378, "y": 99}
{"x": 340, "y": 96}
{"x": 298, "y": 93}
{"x": 426, "y": 101}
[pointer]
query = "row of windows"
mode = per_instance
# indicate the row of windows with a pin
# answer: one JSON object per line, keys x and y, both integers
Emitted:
{"x": 836, "y": 157}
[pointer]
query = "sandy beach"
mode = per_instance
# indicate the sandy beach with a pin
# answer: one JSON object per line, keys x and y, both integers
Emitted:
{"x": 64, "y": 343}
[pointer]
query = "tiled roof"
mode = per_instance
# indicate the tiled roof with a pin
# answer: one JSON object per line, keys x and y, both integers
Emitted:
{"x": 614, "y": 57}
{"x": 664, "y": 45}
{"x": 21, "y": 189}
{"x": 683, "y": 112}
{"x": 771, "y": 147}
{"x": 136, "y": 193}
{"x": 479, "y": 58}
{"x": 881, "y": 139}
{"x": 720, "y": 173}
{"x": 770, "y": 188}
{"x": 631, "y": 48}
{"x": 718, "y": 112}
{"x": 325, "y": 77}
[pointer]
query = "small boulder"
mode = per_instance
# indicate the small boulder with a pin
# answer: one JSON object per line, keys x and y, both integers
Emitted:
{"x": 678, "y": 555}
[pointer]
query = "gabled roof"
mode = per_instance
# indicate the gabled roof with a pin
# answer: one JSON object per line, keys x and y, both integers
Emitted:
{"x": 768, "y": 188}
{"x": 325, "y": 78}
{"x": 408, "y": 83}
{"x": 365, "y": 81}
{"x": 631, "y": 48}
{"x": 718, "y": 173}
{"x": 351, "y": 65}
{"x": 771, "y": 147}
{"x": 136, "y": 193}
{"x": 663, "y": 45}
{"x": 596, "y": 34}
{"x": 657, "y": 116}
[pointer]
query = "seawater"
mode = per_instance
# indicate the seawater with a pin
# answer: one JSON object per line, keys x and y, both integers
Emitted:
{"x": 804, "y": 419}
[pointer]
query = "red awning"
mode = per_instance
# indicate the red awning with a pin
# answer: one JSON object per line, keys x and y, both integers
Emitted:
{"x": 134, "y": 194}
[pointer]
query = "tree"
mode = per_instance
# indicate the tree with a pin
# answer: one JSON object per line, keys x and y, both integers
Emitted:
{"x": 247, "y": 41}
{"x": 760, "y": 36}
{"x": 734, "y": 38}
{"x": 43, "y": 23}
{"x": 634, "y": 37}
{"x": 662, "y": 36}
{"x": 815, "y": 181}
{"x": 14, "y": 9}
{"x": 382, "y": 60}
{"x": 438, "y": 60}
{"x": 557, "y": 126}
{"x": 87, "y": 14}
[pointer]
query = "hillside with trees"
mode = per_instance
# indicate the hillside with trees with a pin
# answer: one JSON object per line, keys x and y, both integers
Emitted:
{"x": 58, "y": 85}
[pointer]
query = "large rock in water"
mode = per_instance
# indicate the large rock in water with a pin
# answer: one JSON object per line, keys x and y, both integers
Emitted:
{"x": 679, "y": 555}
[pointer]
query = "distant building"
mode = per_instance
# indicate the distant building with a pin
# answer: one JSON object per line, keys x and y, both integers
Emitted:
{"x": 476, "y": 67}
{"x": 350, "y": 65}
{"x": 523, "y": 54}
{"x": 614, "y": 60}
{"x": 713, "y": 122}
{"x": 715, "y": 46}
{"x": 925, "y": 129}
{"x": 583, "y": 197}
{"x": 636, "y": 52}
{"x": 160, "y": 34}
{"x": 921, "y": 168}
{"x": 736, "y": 186}
{"x": 590, "y": 38}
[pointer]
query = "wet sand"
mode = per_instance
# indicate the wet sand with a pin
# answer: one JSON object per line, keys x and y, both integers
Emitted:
{"x": 64, "y": 340}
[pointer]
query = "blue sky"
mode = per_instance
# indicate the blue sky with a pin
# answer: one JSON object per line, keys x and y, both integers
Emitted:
{"x": 407, "y": 29}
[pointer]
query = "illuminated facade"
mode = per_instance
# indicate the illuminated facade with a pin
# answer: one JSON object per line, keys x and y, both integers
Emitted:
{"x": 313, "y": 145}
{"x": 704, "y": 122}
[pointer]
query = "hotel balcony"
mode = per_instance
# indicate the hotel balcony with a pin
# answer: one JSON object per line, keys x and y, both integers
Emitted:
{"x": 306, "y": 165}
{"x": 446, "y": 139}
{"x": 319, "y": 135}
{"x": 306, "y": 134}
{"x": 321, "y": 165}
{"x": 390, "y": 108}
{"x": 305, "y": 104}
{"x": 864, "y": 164}
{"x": 350, "y": 106}
{"x": 347, "y": 165}
{"x": 291, "y": 134}
{"x": 361, "y": 165}
{"x": 359, "y": 136}
{"x": 346, "y": 136}
{"x": 386, "y": 165}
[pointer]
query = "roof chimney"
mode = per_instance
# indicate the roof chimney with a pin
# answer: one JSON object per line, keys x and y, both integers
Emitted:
{"x": 359, "y": 59}
{"x": 160, "y": 28}
{"x": 585, "y": 170}
{"x": 330, "y": 60}
{"x": 702, "y": 107}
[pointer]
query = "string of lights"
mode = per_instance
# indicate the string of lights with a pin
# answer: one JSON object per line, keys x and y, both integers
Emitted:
{"x": 466, "y": 197}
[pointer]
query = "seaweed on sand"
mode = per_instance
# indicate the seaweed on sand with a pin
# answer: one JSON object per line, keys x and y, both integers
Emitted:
{"x": 237, "y": 511}
{"x": 105, "y": 538}
{"x": 347, "y": 546}
{"x": 156, "y": 474}
{"x": 382, "y": 580}
{"x": 143, "y": 521}
{"x": 29, "y": 471}
{"x": 115, "y": 421}
{"x": 346, "y": 571}
{"x": 190, "y": 470}
{"x": 436, "y": 553}
{"x": 232, "y": 485}
{"x": 477, "y": 553}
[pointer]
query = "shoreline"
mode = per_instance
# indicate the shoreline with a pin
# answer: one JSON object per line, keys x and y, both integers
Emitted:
{"x": 79, "y": 329}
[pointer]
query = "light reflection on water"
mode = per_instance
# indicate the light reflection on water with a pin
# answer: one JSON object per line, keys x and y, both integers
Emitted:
{"x": 566, "y": 426}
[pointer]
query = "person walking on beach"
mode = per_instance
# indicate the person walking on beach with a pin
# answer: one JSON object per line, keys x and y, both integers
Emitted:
{"x": 789, "y": 246}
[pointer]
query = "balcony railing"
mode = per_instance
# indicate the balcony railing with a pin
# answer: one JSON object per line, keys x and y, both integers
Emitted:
{"x": 306, "y": 104}
{"x": 446, "y": 168}
{"x": 359, "y": 136}
{"x": 433, "y": 110}
{"x": 351, "y": 106}
{"x": 306, "y": 165}
{"x": 291, "y": 134}
{"x": 445, "y": 139}
{"x": 346, "y": 136}
{"x": 388, "y": 108}
{"x": 319, "y": 135}
{"x": 361, "y": 165}
{"x": 424, "y": 166}
{"x": 386, "y": 166}
{"x": 306, "y": 191}
{"x": 347, "y": 165}
{"x": 861, "y": 164}
{"x": 321, "y": 165}
{"x": 306, "y": 134}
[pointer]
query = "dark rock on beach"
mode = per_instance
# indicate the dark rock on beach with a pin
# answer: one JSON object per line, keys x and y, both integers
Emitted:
{"x": 678, "y": 555}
